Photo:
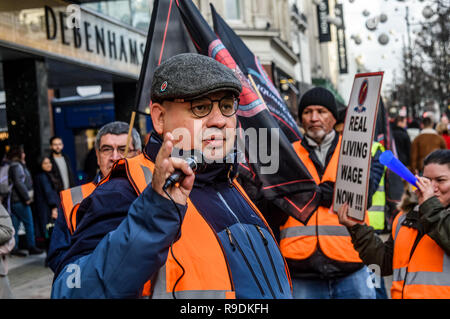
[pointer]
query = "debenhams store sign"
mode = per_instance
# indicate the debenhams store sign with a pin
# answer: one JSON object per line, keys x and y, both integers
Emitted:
{"x": 68, "y": 32}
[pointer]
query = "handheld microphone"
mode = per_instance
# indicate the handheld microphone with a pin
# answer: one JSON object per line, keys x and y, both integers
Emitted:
{"x": 178, "y": 174}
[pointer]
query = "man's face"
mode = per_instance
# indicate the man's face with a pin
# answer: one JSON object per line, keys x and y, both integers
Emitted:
{"x": 57, "y": 146}
{"x": 317, "y": 122}
{"x": 213, "y": 134}
{"x": 112, "y": 148}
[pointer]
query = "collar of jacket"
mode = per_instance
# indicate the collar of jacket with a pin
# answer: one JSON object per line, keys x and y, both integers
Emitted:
{"x": 210, "y": 174}
{"x": 428, "y": 130}
{"x": 312, "y": 154}
{"x": 412, "y": 219}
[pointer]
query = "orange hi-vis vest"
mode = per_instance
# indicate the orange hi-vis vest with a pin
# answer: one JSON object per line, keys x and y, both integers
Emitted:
{"x": 198, "y": 250}
{"x": 299, "y": 241}
{"x": 422, "y": 273}
{"x": 70, "y": 201}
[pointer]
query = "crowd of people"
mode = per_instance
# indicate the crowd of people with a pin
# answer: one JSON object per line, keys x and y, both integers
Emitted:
{"x": 169, "y": 242}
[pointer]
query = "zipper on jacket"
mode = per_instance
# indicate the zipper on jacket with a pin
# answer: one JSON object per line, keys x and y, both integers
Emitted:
{"x": 261, "y": 266}
{"x": 232, "y": 239}
{"x": 266, "y": 242}
{"x": 251, "y": 245}
{"x": 233, "y": 247}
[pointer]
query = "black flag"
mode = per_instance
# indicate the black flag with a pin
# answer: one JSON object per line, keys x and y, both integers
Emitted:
{"x": 166, "y": 37}
{"x": 291, "y": 187}
{"x": 250, "y": 65}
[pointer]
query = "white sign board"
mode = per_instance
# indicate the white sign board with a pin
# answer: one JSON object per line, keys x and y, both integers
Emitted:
{"x": 355, "y": 154}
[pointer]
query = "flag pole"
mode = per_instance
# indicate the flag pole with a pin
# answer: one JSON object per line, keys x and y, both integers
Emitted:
{"x": 133, "y": 116}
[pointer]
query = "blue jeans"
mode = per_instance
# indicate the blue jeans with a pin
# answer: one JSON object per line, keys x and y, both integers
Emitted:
{"x": 22, "y": 213}
{"x": 353, "y": 286}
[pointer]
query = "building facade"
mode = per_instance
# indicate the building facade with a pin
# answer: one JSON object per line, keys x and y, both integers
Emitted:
{"x": 68, "y": 67}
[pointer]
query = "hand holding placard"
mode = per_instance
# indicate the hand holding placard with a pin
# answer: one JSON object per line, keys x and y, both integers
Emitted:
{"x": 390, "y": 161}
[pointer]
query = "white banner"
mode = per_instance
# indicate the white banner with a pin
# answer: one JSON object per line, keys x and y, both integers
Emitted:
{"x": 355, "y": 154}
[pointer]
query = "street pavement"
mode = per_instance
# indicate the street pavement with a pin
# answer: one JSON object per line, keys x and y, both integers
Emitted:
{"x": 29, "y": 278}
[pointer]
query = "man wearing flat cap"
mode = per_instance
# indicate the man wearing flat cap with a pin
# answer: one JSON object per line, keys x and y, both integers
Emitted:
{"x": 199, "y": 238}
{"x": 321, "y": 258}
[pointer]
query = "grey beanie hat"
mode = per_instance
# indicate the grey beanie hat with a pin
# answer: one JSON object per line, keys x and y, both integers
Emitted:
{"x": 191, "y": 75}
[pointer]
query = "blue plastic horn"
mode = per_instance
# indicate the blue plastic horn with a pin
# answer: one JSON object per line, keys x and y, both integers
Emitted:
{"x": 390, "y": 161}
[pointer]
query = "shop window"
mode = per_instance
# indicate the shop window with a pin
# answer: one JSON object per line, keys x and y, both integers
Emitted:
{"x": 233, "y": 10}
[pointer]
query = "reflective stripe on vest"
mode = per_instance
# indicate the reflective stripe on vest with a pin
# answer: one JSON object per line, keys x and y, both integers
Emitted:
{"x": 202, "y": 278}
{"x": 376, "y": 211}
{"x": 160, "y": 290}
{"x": 423, "y": 274}
{"x": 70, "y": 201}
{"x": 312, "y": 231}
{"x": 298, "y": 241}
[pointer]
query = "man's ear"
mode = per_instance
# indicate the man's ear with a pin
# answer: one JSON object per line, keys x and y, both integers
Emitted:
{"x": 157, "y": 112}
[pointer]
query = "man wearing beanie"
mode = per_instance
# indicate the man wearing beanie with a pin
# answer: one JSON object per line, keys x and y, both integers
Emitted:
{"x": 201, "y": 237}
{"x": 322, "y": 261}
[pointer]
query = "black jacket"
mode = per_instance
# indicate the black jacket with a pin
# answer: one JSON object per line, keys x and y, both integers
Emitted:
{"x": 21, "y": 181}
{"x": 55, "y": 171}
{"x": 403, "y": 144}
{"x": 45, "y": 198}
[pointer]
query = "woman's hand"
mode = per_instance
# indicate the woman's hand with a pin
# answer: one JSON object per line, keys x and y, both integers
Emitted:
{"x": 424, "y": 189}
{"x": 54, "y": 213}
{"x": 343, "y": 216}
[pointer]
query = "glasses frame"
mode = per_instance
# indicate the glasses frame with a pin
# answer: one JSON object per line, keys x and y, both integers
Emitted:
{"x": 236, "y": 103}
{"x": 110, "y": 150}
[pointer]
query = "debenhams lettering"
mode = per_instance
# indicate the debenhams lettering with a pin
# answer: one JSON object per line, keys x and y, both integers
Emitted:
{"x": 93, "y": 38}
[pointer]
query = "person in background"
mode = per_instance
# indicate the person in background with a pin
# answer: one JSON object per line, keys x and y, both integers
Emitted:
{"x": 402, "y": 140}
{"x": 110, "y": 143}
{"x": 6, "y": 245}
{"x": 61, "y": 167}
{"x": 417, "y": 252}
{"x": 426, "y": 142}
{"x": 442, "y": 130}
{"x": 21, "y": 198}
{"x": 321, "y": 258}
{"x": 5, "y": 183}
{"x": 413, "y": 129}
{"x": 46, "y": 199}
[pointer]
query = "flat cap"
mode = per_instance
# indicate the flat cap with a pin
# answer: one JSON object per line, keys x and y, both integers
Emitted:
{"x": 189, "y": 76}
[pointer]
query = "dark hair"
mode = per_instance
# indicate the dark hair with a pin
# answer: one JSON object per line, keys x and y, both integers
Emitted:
{"x": 399, "y": 119}
{"x": 15, "y": 152}
{"x": 57, "y": 184}
{"x": 118, "y": 128}
{"x": 41, "y": 159}
{"x": 53, "y": 138}
{"x": 414, "y": 124}
{"x": 440, "y": 157}
{"x": 427, "y": 121}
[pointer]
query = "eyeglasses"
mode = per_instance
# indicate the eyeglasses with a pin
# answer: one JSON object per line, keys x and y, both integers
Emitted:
{"x": 228, "y": 106}
{"x": 108, "y": 150}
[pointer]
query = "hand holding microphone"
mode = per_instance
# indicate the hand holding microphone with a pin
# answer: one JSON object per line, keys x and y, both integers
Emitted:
{"x": 172, "y": 169}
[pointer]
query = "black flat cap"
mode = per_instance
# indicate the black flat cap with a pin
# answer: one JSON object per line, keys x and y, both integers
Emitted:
{"x": 189, "y": 76}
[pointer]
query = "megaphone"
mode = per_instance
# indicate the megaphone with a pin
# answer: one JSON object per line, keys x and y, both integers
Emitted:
{"x": 390, "y": 161}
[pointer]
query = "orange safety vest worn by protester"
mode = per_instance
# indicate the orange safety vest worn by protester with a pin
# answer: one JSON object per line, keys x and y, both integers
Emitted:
{"x": 299, "y": 241}
{"x": 70, "y": 201}
{"x": 197, "y": 281}
{"x": 421, "y": 268}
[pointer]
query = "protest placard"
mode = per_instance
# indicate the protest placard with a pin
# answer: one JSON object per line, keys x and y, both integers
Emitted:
{"x": 355, "y": 154}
